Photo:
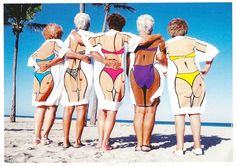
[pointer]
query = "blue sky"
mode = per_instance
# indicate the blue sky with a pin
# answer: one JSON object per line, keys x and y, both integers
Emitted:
{"x": 210, "y": 22}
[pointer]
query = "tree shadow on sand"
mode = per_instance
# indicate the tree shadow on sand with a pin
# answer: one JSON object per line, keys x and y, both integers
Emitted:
{"x": 167, "y": 141}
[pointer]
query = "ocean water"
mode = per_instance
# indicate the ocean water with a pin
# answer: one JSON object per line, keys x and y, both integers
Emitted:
{"x": 213, "y": 124}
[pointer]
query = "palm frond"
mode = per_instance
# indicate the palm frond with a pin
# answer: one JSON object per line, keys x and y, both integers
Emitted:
{"x": 123, "y": 6}
{"x": 97, "y": 4}
{"x": 36, "y": 26}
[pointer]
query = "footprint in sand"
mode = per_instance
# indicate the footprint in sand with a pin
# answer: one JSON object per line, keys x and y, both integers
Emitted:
{"x": 98, "y": 155}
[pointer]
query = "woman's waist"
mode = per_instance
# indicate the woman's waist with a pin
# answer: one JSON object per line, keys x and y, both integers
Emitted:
{"x": 188, "y": 73}
{"x": 186, "y": 68}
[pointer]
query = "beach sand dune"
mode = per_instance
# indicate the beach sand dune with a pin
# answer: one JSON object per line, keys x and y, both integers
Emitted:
{"x": 217, "y": 143}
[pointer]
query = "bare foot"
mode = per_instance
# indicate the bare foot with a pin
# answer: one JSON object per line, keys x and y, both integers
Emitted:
{"x": 66, "y": 145}
{"x": 107, "y": 147}
{"x": 37, "y": 141}
{"x": 78, "y": 145}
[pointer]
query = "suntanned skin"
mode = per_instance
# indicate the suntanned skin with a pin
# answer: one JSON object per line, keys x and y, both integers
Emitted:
{"x": 145, "y": 110}
{"x": 113, "y": 89}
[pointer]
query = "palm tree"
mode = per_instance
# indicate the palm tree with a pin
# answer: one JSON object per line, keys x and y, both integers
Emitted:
{"x": 82, "y": 8}
{"x": 107, "y": 7}
{"x": 19, "y": 16}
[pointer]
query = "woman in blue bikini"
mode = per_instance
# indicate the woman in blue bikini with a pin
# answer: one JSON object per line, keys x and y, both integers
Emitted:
{"x": 146, "y": 82}
{"x": 48, "y": 79}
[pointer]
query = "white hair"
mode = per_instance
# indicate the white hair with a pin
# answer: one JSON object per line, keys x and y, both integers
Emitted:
{"x": 82, "y": 21}
{"x": 145, "y": 23}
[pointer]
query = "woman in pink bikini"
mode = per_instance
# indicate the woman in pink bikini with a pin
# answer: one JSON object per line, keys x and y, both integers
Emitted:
{"x": 109, "y": 81}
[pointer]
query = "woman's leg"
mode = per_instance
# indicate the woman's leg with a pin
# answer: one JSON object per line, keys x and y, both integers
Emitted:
{"x": 195, "y": 122}
{"x": 108, "y": 126}
{"x": 149, "y": 121}
{"x": 50, "y": 116}
{"x": 101, "y": 121}
{"x": 81, "y": 115}
{"x": 179, "y": 129}
{"x": 138, "y": 125}
{"x": 39, "y": 118}
{"x": 67, "y": 116}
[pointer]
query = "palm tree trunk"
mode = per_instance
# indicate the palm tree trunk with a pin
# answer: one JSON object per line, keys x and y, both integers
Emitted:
{"x": 13, "y": 106}
{"x": 94, "y": 109}
{"x": 106, "y": 8}
{"x": 95, "y": 99}
{"x": 82, "y": 8}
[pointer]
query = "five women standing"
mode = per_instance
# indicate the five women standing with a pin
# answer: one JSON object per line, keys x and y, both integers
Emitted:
{"x": 146, "y": 62}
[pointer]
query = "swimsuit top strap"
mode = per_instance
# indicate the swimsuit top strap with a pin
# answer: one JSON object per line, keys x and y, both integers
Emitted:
{"x": 121, "y": 51}
{"x": 191, "y": 55}
{"x": 149, "y": 49}
{"x": 51, "y": 57}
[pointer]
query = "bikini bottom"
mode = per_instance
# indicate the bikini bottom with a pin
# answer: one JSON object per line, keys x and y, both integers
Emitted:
{"x": 73, "y": 72}
{"x": 144, "y": 75}
{"x": 188, "y": 77}
{"x": 113, "y": 73}
{"x": 40, "y": 76}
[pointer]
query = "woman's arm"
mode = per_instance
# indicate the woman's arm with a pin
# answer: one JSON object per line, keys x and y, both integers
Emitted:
{"x": 54, "y": 62}
{"x": 72, "y": 55}
{"x": 110, "y": 63}
{"x": 148, "y": 39}
{"x": 206, "y": 68}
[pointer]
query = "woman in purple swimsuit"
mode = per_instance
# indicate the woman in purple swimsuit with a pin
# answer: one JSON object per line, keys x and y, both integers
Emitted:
{"x": 146, "y": 80}
{"x": 109, "y": 81}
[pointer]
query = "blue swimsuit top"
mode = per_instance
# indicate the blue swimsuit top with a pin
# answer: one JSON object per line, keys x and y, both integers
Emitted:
{"x": 51, "y": 57}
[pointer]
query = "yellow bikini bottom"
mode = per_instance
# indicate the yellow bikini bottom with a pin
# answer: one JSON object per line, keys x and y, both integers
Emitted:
{"x": 188, "y": 77}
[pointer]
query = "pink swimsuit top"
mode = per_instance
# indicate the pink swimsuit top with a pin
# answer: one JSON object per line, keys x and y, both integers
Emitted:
{"x": 121, "y": 51}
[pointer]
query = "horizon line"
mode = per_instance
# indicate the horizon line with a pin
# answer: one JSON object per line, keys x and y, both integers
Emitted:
{"x": 215, "y": 124}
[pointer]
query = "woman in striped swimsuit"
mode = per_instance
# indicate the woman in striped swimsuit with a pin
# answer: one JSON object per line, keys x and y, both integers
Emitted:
{"x": 48, "y": 79}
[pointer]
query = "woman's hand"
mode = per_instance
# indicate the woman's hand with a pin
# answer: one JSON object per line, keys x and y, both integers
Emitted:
{"x": 206, "y": 68}
{"x": 204, "y": 72}
{"x": 86, "y": 59}
{"x": 112, "y": 63}
{"x": 44, "y": 67}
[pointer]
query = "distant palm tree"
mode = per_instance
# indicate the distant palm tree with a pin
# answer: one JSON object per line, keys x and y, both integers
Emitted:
{"x": 19, "y": 16}
{"x": 107, "y": 7}
{"x": 82, "y": 8}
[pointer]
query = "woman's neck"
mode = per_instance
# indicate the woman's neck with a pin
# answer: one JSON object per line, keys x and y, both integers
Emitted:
{"x": 143, "y": 34}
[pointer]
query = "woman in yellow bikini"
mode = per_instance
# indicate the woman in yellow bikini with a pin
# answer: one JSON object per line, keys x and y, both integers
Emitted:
{"x": 185, "y": 80}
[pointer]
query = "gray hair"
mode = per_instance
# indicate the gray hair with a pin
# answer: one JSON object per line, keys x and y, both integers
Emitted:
{"x": 145, "y": 23}
{"x": 82, "y": 21}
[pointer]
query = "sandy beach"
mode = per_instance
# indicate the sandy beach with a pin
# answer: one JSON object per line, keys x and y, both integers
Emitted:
{"x": 217, "y": 143}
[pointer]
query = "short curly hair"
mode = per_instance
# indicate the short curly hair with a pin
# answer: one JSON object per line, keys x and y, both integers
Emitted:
{"x": 116, "y": 21}
{"x": 145, "y": 23}
{"x": 177, "y": 27}
{"x": 52, "y": 31}
{"x": 82, "y": 21}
